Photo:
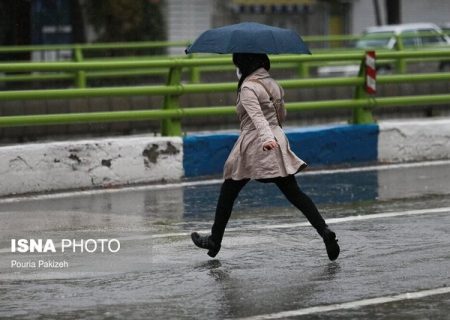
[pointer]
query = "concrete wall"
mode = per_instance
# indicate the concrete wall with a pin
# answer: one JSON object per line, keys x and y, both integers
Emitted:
{"x": 55, "y": 166}
{"x": 186, "y": 20}
{"x": 58, "y": 166}
{"x": 318, "y": 146}
{"x": 387, "y": 142}
{"x": 436, "y": 11}
{"x": 404, "y": 141}
{"x": 363, "y": 15}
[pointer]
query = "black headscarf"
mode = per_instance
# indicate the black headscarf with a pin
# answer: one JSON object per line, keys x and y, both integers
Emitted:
{"x": 249, "y": 63}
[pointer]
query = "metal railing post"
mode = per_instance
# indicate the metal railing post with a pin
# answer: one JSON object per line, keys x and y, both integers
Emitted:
{"x": 194, "y": 72}
{"x": 362, "y": 115}
{"x": 303, "y": 70}
{"x": 400, "y": 64}
{"x": 80, "y": 75}
{"x": 172, "y": 126}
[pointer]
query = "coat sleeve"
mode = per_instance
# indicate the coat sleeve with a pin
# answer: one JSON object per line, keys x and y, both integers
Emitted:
{"x": 251, "y": 105}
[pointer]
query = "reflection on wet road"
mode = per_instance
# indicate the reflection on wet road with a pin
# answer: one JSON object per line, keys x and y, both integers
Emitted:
{"x": 271, "y": 260}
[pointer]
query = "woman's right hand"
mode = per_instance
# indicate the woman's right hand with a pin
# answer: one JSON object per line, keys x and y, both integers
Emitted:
{"x": 269, "y": 145}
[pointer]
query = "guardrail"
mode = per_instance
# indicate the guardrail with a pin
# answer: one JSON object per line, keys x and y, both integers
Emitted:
{"x": 313, "y": 41}
{"x": 171, "y": 114}
{"x": 81, "y": 78}
{"x": 141, "y": 67}
{"x": 78, "y": 52}
{"x": 82, "y": 48}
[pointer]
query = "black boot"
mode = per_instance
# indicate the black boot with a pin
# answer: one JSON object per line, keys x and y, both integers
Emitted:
{"x": 329, "y": 237}
{"x": 205, "y": 242}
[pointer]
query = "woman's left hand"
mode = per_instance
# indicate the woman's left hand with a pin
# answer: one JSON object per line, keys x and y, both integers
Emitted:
{"x": 269, "y": 145}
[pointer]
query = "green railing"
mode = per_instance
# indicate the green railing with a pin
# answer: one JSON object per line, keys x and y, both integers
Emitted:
{"x": 172, "y": 113}
{"x": 82, "y": 48}
{"x": 316, "y": 42}
{"x": 78, "y": 53}
{"x": 146, "y": 67}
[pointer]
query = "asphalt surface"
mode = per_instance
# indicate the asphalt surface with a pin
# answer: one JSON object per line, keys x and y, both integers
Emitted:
{"x": 392, "y": 224}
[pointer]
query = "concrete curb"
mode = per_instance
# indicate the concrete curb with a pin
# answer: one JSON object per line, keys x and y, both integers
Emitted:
{"x": 387, "y": 142}
{"x": 59, "y": 166}
{"x": 318, "y": 146}
{"x": 422, "y": 140}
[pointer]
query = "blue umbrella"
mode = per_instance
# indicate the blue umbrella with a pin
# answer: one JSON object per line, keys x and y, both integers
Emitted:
{"x": 249, "y": 37}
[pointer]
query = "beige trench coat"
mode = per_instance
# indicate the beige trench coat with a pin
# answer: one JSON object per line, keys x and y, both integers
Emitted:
{"x": 259, "y": 124}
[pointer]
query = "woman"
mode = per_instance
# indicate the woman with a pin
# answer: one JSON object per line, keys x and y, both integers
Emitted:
{"x": 261, "y": 152}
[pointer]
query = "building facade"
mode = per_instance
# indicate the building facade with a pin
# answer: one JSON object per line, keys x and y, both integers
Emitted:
{"x": 187, "y": 19}
{"x": 362, "y": 13}
{"x": 64, "y": 21}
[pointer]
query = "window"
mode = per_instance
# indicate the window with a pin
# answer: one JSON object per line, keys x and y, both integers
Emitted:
{"x": 375, "y": 40}
{"x": 410, "y": 38}
{"x": 431, "y": 37}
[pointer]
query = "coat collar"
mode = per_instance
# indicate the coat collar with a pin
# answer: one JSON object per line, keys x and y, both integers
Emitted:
{"x": 260, "y": 73}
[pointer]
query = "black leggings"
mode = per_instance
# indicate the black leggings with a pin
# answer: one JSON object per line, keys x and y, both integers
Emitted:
{"x": 288, "y": 186}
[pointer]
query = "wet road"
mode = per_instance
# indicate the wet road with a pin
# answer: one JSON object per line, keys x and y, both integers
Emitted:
{"x": 392, "y": 225}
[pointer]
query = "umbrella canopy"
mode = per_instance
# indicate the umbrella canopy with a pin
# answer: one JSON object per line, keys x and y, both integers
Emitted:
{"x": 249, "y": 37}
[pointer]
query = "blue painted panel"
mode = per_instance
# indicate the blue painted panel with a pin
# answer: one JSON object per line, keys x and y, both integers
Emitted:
{"x": 336, "y": 144}
{"x": 206, "y": 154}
{"x": 318, "y": 146}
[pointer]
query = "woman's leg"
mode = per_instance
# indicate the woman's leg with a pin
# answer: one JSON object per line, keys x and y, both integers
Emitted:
{"x": 288, "y": 185}
{"x": 228, "y": 193}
